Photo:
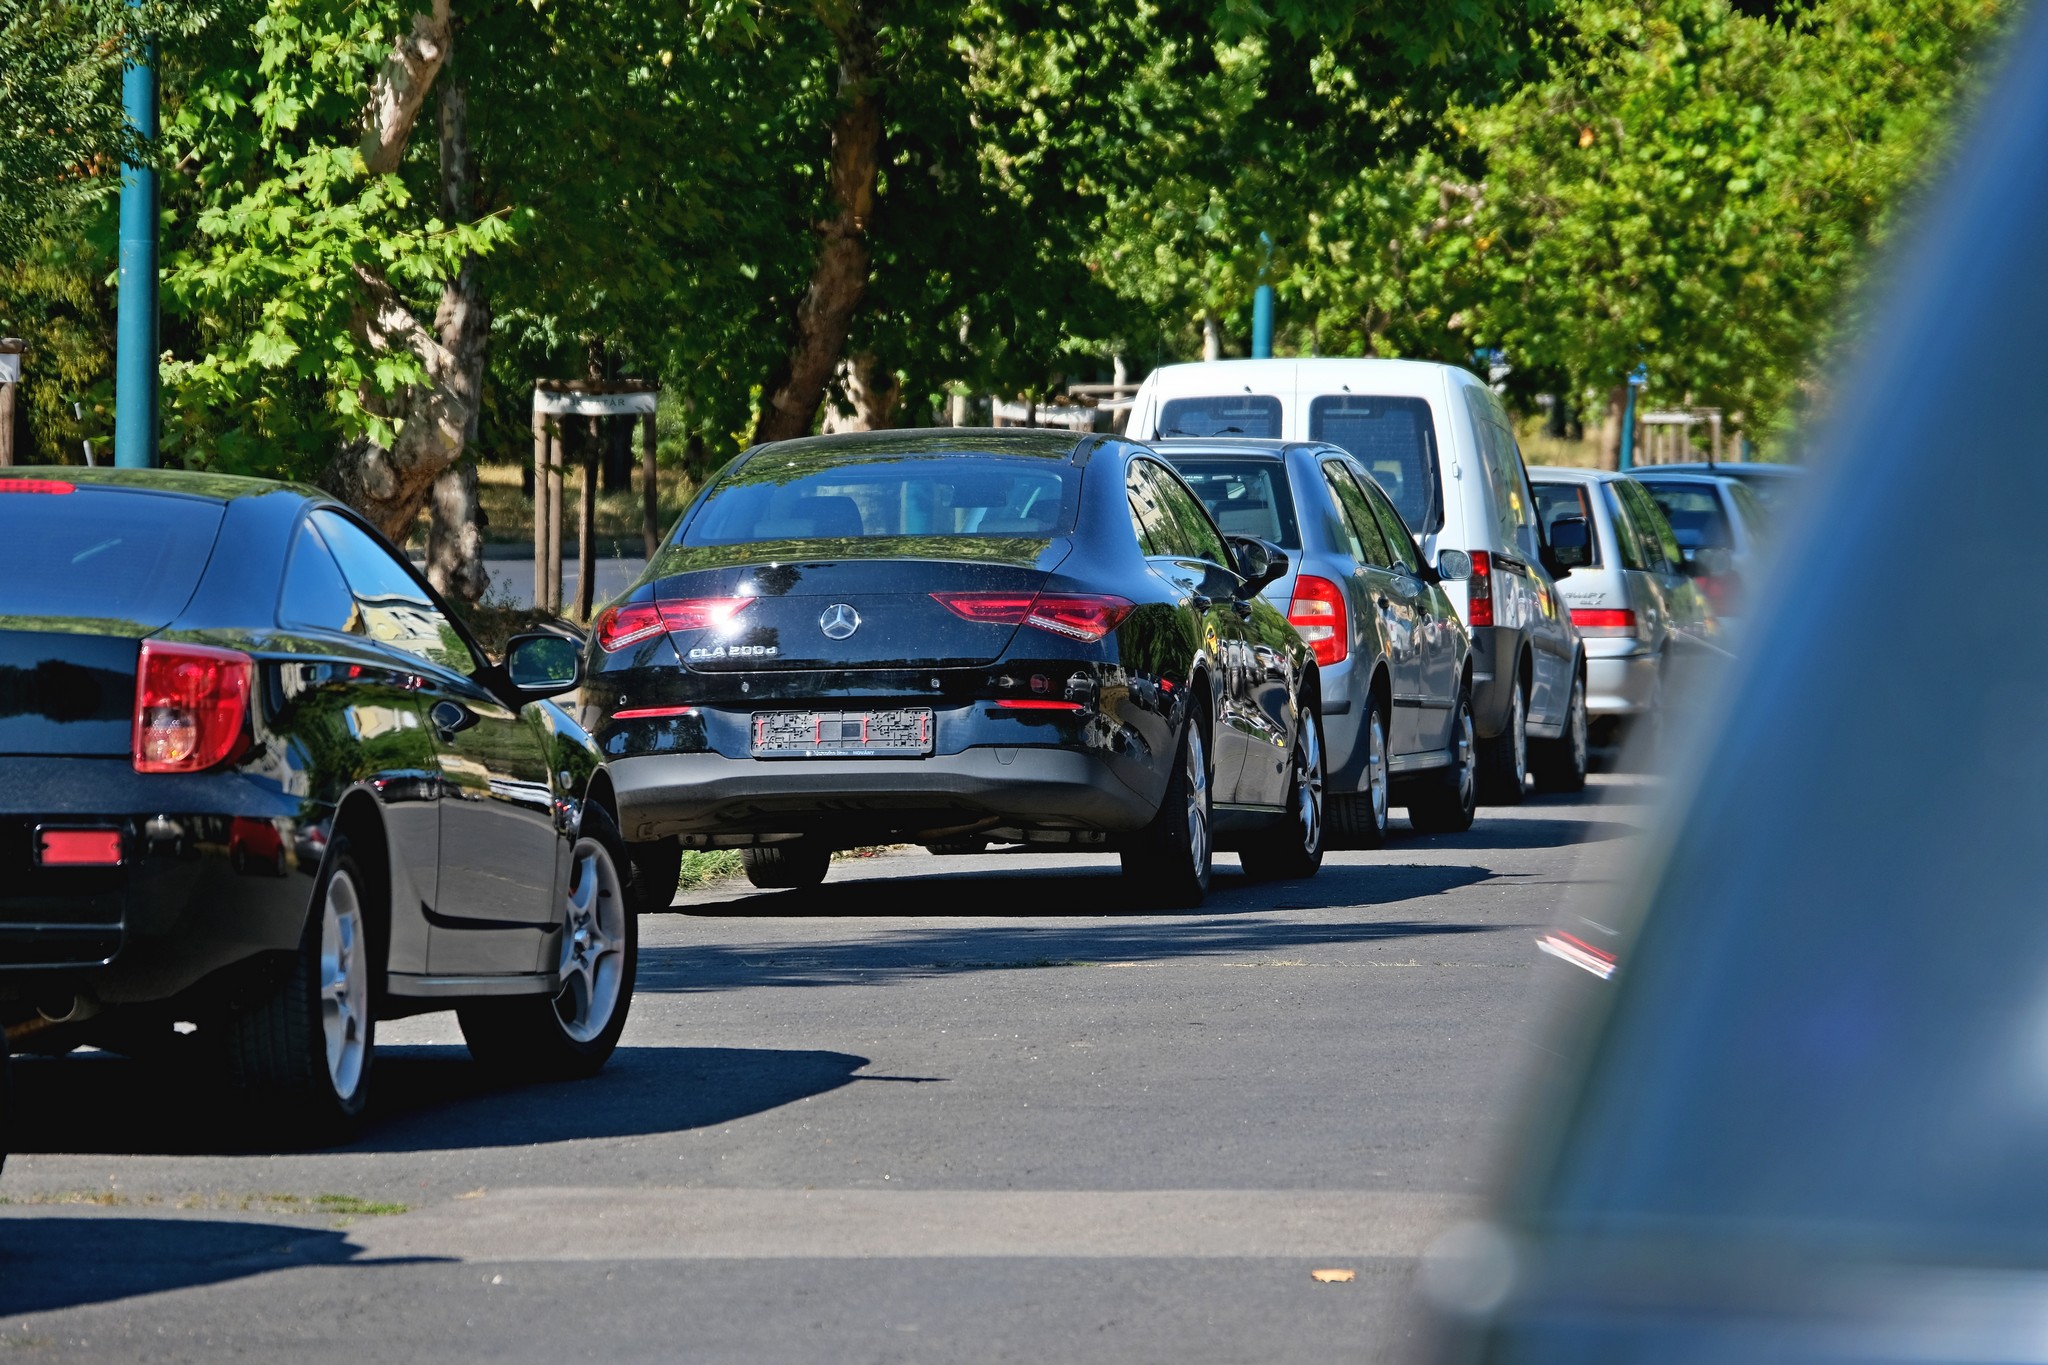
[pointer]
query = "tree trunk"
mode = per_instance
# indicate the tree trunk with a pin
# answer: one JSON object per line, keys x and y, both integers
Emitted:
{"x": 1212, "y": 338}
{"x": 873, "y": 391}
{"x": 435, "y": 421}
{"x": 455, "y": 536}
{"x": 841, "y": 275}
{"x": 1610, "y": 427}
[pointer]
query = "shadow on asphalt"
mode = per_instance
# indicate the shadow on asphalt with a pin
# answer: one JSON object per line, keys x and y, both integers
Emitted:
{"x": 1112, "y": 936}
{"x": 425, "y": 1099}
{"x": 1524, "y": 833}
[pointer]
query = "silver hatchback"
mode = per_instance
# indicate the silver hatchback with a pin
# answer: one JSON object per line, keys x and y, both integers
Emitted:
{"x": 1636, "y": 604}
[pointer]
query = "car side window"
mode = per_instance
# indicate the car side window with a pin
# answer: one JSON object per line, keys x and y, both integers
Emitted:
{"x": 1190, "y": 533}
{"x": 1406, "y": 556}
{"x": 1627, "y": 535}
{"x": 396, "y": 609}
{"x": 1146, "y": 517}
{"x": 1660, "y": 547}
{"x": 315, "y": 594}
{"x": 1751, "y": 506}
{"x": 1368, "y": 545}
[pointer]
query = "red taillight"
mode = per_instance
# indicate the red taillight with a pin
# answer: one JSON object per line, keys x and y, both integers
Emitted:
{"x": 1317, "y": 615}
{"x": 78, "y": 847}
{"x": 1479, "y": 590}
{"x": 191, "y": 704}
{"x": 36, "y": 486}
{"x": 1601, "y": 622}
{"x": 1720, "y": 590}
{"x": 633, "y": 622}
{"x": 1076, "y": 615}
{"x": 653, "y": 712}
{"x": 1038, "y": 704}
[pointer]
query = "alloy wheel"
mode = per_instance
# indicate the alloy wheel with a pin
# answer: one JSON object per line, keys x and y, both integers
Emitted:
{"x": 1520, "y": 722}
{"x": 1308, "y": 789}
{"x": 1468, "y": 776}
{"x": 344, "y": 984}
{"x": 593, "y": 943}
{"x": 1376, "y": 767}
{"x": 1198, "y": 801}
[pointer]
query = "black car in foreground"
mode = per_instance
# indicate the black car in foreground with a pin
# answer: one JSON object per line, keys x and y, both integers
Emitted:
{"x": 959, "y": 638}
{"x": 255, "y": 778}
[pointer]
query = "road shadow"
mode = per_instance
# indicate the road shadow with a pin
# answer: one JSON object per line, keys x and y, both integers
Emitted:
{"x": 1079, "y": 936}
{"x": 425, "y": 1099}
{"x": 60, "y": 1261}
{"x": 1525, "y": 832}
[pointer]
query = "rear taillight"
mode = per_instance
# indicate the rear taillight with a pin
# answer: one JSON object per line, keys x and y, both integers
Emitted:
{"x": 1720, "y": 590}
{"x": 1479, "y": 590}
{"x": 36, "y": 486}
{"x": 191, "y": 705}
{"x": 1076, "y": 615}
{"x": 633, "y": 622}
{"x": 1597, "y": 623}
{"x": 1317, "y": 615}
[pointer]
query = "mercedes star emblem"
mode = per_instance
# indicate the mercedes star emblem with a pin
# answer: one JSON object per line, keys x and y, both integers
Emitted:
{"x": 839, "y": 621}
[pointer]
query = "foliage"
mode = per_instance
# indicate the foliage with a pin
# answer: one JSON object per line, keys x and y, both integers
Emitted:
{"x": 56, "y": 295}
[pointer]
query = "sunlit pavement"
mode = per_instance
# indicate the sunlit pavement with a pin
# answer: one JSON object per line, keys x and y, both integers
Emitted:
{"x": 944, "y": 1109}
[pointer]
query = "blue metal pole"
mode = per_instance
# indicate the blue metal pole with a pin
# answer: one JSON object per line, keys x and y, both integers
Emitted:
{"x": 135, "y": 378}
{"x": 1262, "y": 323}
{"x": 1636, "y": 380}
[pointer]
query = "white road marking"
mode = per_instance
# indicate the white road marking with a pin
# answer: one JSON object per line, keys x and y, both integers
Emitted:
{"x": 611, "y": 1224}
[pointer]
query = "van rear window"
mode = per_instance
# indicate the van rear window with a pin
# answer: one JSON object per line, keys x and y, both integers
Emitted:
{"x": 1245, "y": 414}
{"x": 1395, "y": 439}
{"x": 107, "y": 554}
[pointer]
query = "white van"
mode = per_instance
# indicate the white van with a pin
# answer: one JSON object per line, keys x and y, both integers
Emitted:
{"x": 1439, "y": 443}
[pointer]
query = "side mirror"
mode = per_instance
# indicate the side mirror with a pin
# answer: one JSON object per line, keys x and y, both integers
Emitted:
{"x": 1259, "y": 562}
{"x": 1453, "y": 565}
{"x": 1571, "y": 545}
{"x": 543, "y": 665}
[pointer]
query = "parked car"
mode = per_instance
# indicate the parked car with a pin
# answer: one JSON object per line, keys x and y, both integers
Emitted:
{"x": 1436, "y": 439}
{"x": 1772, "y": 482}
{"x": 957, "y": 638}
{"x": 1634, "y": 601}
{"x": 1394, "y": 659}
{"x": 1719, "y": 524}
{"x": 208, "y": 681}
{"x": 1802, "y": 1122}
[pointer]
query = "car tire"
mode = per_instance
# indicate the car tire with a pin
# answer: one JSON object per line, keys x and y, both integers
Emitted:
{"x": 787, "y": 867}
{"x": 572, "y": 1033}
{"x": 1447, "y": 800}
{"x": 306, "y": 1046}
{"x": 653, "y": 869}
{"x": 1504, "y": 759}
{"x": 1170, "y": 858}
{"x": 1359, "y": 819}
{"x": 1559, "y": 765}
{"x": 1294, "y": 848}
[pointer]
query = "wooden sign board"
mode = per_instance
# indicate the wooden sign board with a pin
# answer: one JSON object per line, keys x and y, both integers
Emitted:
{"x": 554, "y": 404}
{"x": 10, "y": 368}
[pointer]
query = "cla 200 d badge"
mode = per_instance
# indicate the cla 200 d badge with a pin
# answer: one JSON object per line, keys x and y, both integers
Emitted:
{"x": 735, "y": 652}
{"x": 839, "y": 621}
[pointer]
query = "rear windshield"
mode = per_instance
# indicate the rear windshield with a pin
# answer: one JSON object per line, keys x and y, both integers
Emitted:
{"x": 1394, "y": 438}
{"x": 808, "y": 498}
{"x": 1247, "y": 497}
{"x": 1555, "y": 501}
{"x": 1244, "y": 414}
{"x": 103, "y": 554}
{"x": 1694, "y": 511}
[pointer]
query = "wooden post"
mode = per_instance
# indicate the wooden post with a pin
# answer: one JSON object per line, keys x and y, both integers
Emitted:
{"x": 1714, "y": 429}
{"x": 557, "y": 486}
{"x": 586, "y": 532}
{"x": 540, "y": 508}
{"x": 650, "y": 487}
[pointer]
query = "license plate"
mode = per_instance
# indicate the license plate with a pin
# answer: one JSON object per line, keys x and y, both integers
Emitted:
{"x": 843, "y": 734}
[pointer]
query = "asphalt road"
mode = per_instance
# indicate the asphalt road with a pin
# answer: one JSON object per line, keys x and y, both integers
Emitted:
{"x": 945, "y": 1109}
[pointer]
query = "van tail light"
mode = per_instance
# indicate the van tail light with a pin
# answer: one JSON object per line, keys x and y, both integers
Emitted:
{"x": 1317, "y": 614}
{"x": 1479, "y": 590}
{"x": 1600, "y": 623}
{"x": 633, "y": 622}
{"x": 1086, "y": 617}
{"x": 1720, "y": 591}
{"x": 191, "y": 706}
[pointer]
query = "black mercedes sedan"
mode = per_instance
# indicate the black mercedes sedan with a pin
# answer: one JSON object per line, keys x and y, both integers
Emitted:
{"x": 255, "y": 778}
{"x": 961, "y": 638}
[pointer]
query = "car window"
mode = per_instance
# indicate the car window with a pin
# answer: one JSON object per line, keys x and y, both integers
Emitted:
{"x": 1393, "y": 439}
{"x": 1361, "y": 529}
{"x": 315, "y": 593}
{"x": 851, "y": 496}
{"x": 1248, "y": 414}
{"x": 1755, "y": 515}
{"x": 1190, "y": 533}
{"x": 1628, "y": 537}
{"x": 1406, "y": 556}
{"x": 1147, "y": 518}
{"x": 1694, "y": 511}
{"x": 112, "y": 553}
{"x": 397, "y": 609}
{"x": 1247, "y": 497}
{"x": 1660, "y": 547}
{"x": 1513, "y": 507}
{"x": 1556, "y": 501}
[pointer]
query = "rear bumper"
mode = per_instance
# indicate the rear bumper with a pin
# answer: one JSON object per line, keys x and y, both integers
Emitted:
{"x": 854, "y": 801}
{"x": 1621, "y": 678}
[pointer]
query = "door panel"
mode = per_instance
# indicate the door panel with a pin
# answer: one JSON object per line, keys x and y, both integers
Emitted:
{"x": 1389, "y": 592}
{"x": 1437, "y": 650}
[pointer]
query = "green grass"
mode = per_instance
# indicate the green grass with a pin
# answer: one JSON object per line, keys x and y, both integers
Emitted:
{"x": 703, "y": 866}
